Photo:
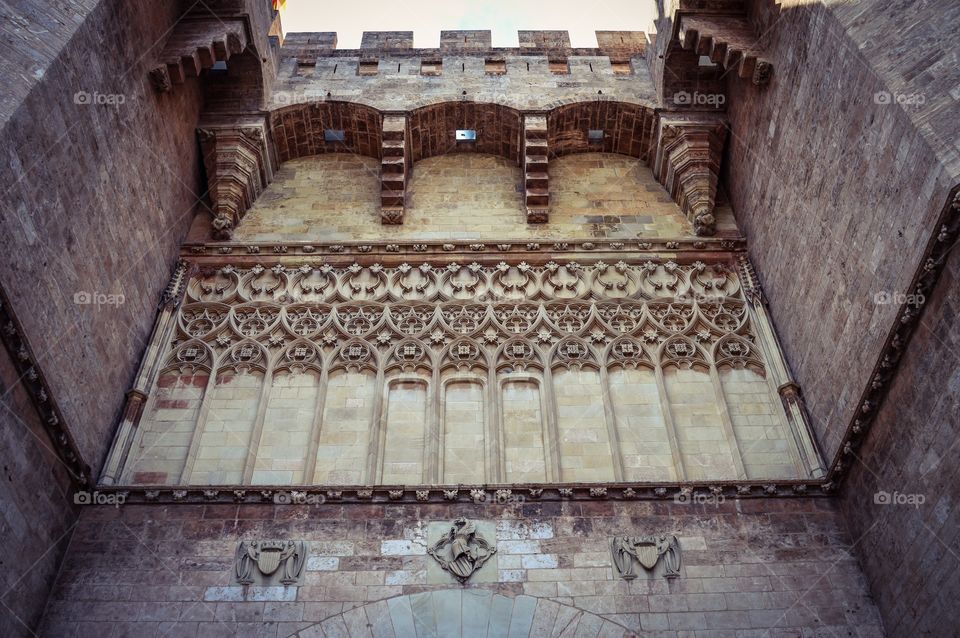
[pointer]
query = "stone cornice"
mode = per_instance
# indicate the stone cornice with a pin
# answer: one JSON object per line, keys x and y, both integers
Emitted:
{"x": 413, "y": 249}
{"x": 692, "y": 493}
{"x": 34, "y": 382}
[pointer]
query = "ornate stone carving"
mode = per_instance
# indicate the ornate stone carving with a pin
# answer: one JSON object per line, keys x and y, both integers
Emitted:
{"x": 687, "y": 164}
{"x": 270, "y": 561}
{"x": 238, "y": 165}
{"x": 462, "y": 551}
{"x": 648, "y": 551}
{"x": 548, "y": 325}
{"x": 430, "y": 282}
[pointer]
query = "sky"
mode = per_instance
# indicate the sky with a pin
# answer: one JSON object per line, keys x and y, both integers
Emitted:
{"x": 504, "y": 18}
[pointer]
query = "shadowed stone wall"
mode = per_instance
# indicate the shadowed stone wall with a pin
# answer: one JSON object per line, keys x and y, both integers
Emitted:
{"x": 36, "y": 511}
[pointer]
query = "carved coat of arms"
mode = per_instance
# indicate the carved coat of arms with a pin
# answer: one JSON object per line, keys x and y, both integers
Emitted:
{"x": 646, "y": 550}
{"x": 286, "y": 558}
{"x": 461, "y": 551}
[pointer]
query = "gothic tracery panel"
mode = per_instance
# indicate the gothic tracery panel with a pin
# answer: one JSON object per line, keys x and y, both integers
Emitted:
{"x": 463, "y": 373}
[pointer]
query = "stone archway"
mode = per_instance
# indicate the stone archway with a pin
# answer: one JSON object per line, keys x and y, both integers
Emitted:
{"x": 464, "y": 613}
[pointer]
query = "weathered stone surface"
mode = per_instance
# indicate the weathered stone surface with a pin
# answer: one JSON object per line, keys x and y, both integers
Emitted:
{"x": 748, "y": 566}
{"x": 836, "y": 188}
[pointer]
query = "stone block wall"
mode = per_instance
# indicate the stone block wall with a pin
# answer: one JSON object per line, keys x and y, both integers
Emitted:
{"x": 37, "y": 514}
{"x": 901, "y": 499}
{"x": 98, "y": 192}
{"x": 838, "y": 209}
{"x": 465, "y": 196}
{"x": 750, "y": 568}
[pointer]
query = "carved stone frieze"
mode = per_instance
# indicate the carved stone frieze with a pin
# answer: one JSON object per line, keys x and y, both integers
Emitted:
{"x": 464, "y": 493}
{"x": 687, "y": 164}
{"x": 539, "y": 325}
{"x": 647, "y": 551}
{"x": 464, "y": 281}
{"x": 694, "y": 246}
{"x": 269, "y": 562}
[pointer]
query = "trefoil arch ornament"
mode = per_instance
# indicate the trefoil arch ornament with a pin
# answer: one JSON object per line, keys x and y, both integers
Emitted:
{"x": 683, "y": 315}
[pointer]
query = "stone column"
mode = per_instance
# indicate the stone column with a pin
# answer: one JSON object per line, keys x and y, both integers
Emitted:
{"x": 787, "y": 388}
{"x": 137, "y": 396}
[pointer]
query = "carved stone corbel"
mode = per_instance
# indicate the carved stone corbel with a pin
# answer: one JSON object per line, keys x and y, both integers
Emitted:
{"x": 687, "y": 164}
{"x": 239, "y": 167}
{"x": 535, "y": 160}
{"x": 195, "y": 45}
{"x": 729, "y": 41}
{"x": 395, "y": 165}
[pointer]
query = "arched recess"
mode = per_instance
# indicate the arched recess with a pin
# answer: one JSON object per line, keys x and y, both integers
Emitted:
{"x": 433, "y": 128}
{"x": 627, "y": 128}
{"x": 464, "y": 613}
{"x": 298, "y": 130}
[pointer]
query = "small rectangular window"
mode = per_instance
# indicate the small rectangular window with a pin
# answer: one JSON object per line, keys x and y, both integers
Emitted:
{"x": 494, "y": 67}
{"x": 595, "y": 136}
{"x": 304, "y": 69}
{"x": 431, "y": 67}
{"x": 621, "y": 67}
{"x": 559, "y": 66}
{"x": 466, "y": 135}
{"x": 368, "y": 67}
{"x": 333, "y": 135}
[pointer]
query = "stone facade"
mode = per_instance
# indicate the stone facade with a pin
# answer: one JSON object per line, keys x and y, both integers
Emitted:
{"x": 750, "y": 568}
{"x": 809, "y": 146}
{"x": 419, "y": 358}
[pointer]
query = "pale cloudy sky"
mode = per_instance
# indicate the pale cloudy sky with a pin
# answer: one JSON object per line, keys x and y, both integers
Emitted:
{"x": 504, "y": 17}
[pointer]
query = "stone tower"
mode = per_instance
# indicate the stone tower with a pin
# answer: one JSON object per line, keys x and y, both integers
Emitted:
{"x": 307, "y": 341}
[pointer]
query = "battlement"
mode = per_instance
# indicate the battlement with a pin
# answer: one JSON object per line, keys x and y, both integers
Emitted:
{"x": 614, "y": 44}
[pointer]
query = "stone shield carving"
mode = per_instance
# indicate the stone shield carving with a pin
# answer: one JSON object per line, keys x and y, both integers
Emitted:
{"x": 646, "y": 550}
{"x": 270, "y": 560}
{"x": 461, "y": 551}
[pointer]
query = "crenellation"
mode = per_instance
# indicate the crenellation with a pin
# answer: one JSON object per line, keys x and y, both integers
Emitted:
{"x": 465, "y": 41}
{"x": 544, "y": 39}
{"x": 387, "y": 41}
